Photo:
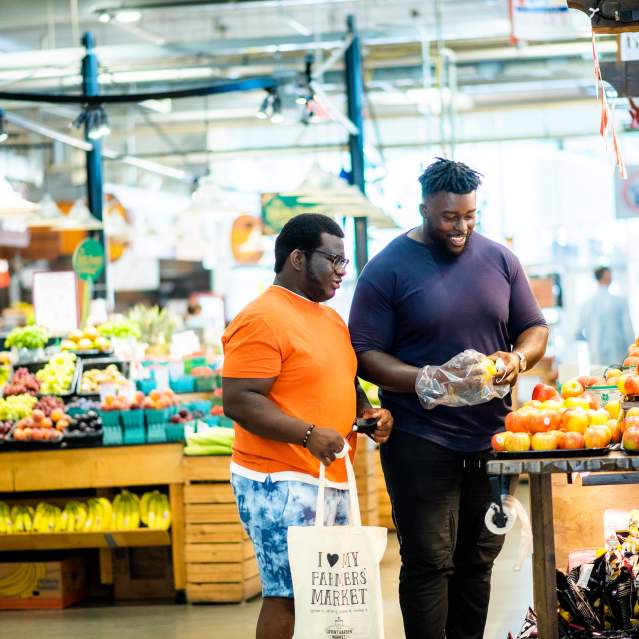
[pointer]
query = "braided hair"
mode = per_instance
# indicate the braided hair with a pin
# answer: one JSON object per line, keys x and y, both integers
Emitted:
{"x": 449, "y": 176}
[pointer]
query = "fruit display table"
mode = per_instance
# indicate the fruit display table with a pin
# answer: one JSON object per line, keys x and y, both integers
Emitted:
{"x": 99, "y": 468}
{"x": 553, "y": 504}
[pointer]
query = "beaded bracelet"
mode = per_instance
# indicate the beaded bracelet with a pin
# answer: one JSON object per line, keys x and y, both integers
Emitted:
{"x": 308, "y": 435}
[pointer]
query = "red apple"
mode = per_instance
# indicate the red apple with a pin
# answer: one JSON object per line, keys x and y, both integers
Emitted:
{"x": 543, "y": 392}
{"x": 631, "y": 361}
{"x": 517, "y": 442}
{"x": 575, "y": 420}
{"x": 629, "y": 422}
{"x": 630, "y": 440}
{"x": 571, "y": 388}
{"x": 498, "y": 441}
{"x": 517, "y": 421}
{"x": 570, "y": 440}
{"x": 543, "y": 441}
{"x": 593, "y": 401}
{"x": 597, "y": 436}
{"x": 541, "y": 421}
{"x": 632, "y": 385}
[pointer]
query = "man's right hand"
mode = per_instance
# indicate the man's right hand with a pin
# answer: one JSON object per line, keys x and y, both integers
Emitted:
{"x": 325, "y": 443}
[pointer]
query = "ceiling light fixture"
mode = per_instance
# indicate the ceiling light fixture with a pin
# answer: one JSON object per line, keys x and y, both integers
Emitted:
{"x": 127, "y": 17}
{"x": 104, "y": 17}
{"x": 96, "y": 121}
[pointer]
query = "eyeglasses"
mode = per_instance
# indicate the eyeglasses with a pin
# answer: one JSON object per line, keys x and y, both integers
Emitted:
{"x": 339, "y": 263}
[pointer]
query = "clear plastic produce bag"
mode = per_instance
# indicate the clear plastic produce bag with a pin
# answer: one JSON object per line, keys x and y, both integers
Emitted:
{"x": 464, "y": 380}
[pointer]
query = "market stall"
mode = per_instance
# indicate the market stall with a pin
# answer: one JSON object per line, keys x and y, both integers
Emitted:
{"x": 555, "y": 506}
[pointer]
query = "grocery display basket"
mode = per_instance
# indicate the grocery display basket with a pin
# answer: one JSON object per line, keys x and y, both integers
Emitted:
{"x": 100, "y": 364}
{"x": 34, "y": 367}
{"x": 133, "y": 430}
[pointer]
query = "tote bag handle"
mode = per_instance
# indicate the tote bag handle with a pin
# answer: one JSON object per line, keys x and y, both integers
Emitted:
{"x": 356, "y": 519}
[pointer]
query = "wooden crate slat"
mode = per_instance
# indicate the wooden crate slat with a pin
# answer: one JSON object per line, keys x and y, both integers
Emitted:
{"x": 214, "y": 533}
{"x": 213, "y": 468}
{"x": 213, "y": 493}
{"x": 215, "y": 553}
{"x": 223, "y": 593}
{"x": 210, "y": 513}
{"x": 221, "y": 572}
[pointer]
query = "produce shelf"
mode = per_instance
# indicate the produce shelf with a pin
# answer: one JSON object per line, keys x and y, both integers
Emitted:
{"x": 103, "y": 539}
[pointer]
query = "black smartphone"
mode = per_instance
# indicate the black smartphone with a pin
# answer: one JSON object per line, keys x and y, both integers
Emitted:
{"x": 365, "y": 425}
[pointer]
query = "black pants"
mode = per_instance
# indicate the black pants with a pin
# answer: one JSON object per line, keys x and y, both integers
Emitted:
{"x": 439, "y": 499}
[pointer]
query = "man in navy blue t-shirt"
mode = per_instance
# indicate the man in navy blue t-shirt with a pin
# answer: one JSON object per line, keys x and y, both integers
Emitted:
{"x": 430, "y": 294}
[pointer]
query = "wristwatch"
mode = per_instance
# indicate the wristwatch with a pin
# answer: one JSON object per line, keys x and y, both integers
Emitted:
{"x": 522, "y": 361}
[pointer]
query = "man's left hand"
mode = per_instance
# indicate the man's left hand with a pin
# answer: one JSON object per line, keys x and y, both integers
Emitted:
{"x": 511, "y": 368}
{"x": 384, "y": 423}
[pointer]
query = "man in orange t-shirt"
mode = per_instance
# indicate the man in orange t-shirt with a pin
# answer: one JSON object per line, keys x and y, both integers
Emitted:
{"x": 289, "y": 382}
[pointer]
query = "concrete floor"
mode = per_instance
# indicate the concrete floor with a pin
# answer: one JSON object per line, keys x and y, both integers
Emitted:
{"x": 511, "y": 596}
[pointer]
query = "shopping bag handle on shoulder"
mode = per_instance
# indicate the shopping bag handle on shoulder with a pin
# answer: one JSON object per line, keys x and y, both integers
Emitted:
{"x": 356, "y": 518}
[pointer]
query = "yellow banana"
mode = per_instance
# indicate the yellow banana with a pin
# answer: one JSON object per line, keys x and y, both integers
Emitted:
{"x": 144, "y": 507}
{"x": 107, "y": 513}
{"x": 11, "y": 578}
{"x": 165, "y": 517}
{"x": 117, "y": 513}
{"x": 19, "y": 581}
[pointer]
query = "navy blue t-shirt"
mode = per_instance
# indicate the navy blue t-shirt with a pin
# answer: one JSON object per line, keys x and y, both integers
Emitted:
{"x": 423, "y": 306}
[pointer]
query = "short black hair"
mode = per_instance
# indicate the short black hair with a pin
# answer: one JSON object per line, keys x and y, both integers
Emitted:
{"x": 599, "y": 272}
{"x": 303, "y": 232}
{"x": 449, "y": 176}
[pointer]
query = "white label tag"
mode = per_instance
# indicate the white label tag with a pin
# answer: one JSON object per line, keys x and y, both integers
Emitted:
{"x": 584, "y": 575}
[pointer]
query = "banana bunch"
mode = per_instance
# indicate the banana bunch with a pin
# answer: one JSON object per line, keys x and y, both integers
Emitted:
{"x": 6, "y": 523}
{"x": 22, "y": 580}
{"x": 22, "y": 518}
{"x": 47, "y": 518}
{"x": 73, "y": 517}
{"x": 126, "y": 511}
{"x": 155, "y": 511}
{"x": 99, "y": 514}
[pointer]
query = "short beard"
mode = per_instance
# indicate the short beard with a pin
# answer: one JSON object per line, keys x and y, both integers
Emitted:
{"x": 314, "y": 285}
{"x": 442, "y": 244}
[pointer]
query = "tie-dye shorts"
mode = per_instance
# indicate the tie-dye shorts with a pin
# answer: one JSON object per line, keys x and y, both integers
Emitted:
{"x": 268, "y": 508}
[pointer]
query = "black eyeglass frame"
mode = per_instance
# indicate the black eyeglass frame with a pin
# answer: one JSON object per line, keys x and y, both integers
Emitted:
{"x": 339, "y": 263}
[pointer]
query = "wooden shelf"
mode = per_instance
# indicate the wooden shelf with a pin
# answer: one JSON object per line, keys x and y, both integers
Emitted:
{"x": 103, "y": 539}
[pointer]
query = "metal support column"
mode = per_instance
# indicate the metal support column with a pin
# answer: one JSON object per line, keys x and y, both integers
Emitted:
{"x": 95, "y": 194}
{"x": 354, "y": 97}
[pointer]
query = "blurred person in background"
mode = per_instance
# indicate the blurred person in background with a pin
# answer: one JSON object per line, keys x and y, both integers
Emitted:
{"x": 605, "y": 323}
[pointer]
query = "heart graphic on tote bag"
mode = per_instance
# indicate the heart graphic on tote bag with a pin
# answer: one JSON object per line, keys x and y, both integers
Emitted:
{"x": 332, "y": 559}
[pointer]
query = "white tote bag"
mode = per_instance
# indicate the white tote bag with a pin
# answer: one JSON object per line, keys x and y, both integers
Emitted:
{"x": 335, "y": 569}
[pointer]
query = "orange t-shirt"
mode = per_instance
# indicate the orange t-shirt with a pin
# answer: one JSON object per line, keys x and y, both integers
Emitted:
{"x": 307, "y": 347}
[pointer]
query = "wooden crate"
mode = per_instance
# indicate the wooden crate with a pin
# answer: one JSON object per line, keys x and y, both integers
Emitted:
{"x": 220, "y": 560}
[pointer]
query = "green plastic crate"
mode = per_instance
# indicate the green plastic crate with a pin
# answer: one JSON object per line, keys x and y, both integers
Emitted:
{"x": 156, "y": 433}
{"x": 112, "y": 435}
{"x": 174, "y": 432}
{"x": 111, "y": 417}
{"x": 157, "y": 415}
{"x": 204, "y": 383}
{"x": 133, "y": 419}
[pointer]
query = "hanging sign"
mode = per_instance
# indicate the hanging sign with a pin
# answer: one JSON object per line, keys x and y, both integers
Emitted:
{"x": 278, "y": 209}
{"x": 55, "y": 301}
{"x": 539, "y": 20}
{"x": 88, "y": 260}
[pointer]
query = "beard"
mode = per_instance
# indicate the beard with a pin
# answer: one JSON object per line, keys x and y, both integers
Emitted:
{"x": 316, "y": 290}
{"x": 442, "y": 242}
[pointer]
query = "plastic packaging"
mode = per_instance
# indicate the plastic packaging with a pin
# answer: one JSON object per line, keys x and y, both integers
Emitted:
{"x": 513, "y": 509}
{"x": 464, "y": 380}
